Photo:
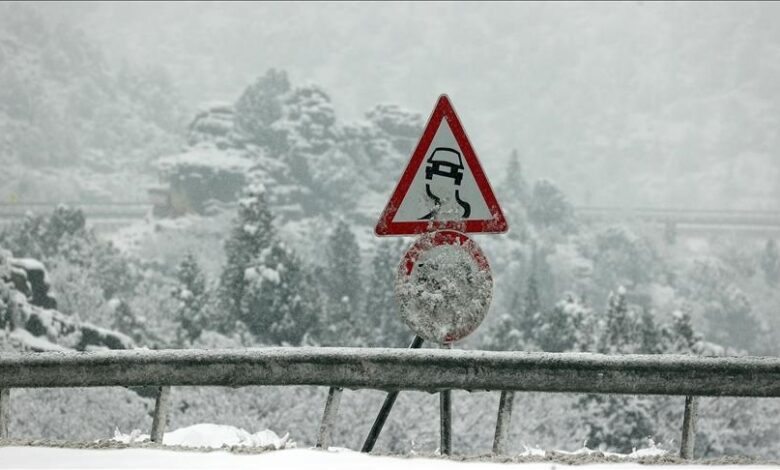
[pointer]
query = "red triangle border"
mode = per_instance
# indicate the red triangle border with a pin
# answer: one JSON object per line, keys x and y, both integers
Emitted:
{"x": 386, "y": 226}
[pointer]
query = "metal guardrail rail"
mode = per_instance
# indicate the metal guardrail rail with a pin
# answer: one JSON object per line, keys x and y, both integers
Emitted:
{"x": 397, "y": 369}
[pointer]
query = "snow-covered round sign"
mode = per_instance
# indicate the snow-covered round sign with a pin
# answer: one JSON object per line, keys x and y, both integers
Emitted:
{"x": 443, "y": 286}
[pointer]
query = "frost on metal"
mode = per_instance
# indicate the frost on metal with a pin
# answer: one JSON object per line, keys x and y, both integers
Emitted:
{"x": 400, "y": 369}
{"x": 444, "y": 287}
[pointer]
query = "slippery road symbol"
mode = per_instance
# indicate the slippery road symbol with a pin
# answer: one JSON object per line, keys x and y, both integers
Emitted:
{"x": 447, "y": 163}
{"x": 443, "y": 186}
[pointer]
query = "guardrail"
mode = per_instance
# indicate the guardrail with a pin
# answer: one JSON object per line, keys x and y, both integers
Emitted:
{"x": 397, "y": 369}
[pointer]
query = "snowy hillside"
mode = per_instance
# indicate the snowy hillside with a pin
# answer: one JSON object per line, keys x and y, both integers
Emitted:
{"x": 265, "y": 199}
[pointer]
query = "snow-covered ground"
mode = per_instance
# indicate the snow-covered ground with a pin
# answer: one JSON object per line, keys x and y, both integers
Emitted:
{"x": 289, "y": 459}
{"x": 265, "y": 449}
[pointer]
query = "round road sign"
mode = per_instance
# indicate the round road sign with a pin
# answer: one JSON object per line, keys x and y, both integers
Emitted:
{"x": 443, "y": 286}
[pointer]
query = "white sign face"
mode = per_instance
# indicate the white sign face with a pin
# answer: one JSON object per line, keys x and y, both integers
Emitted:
{"x": 443, "y": 186}
{"x": 444, "y": 287}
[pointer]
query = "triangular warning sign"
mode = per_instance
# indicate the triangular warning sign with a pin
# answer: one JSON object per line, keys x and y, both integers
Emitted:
{"x": 443, "y": 186}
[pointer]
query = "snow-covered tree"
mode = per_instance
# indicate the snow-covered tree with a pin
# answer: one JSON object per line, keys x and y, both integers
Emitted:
{"x": 513, "y": 194}
{"x": 504, "y": 335}
{"x": 308, "y": 120}
{"x": 549, "y": 207}
{"x": 62, "y": 239}
{"x": 618, "y": 422}
{"x": 681, "y": 335}
{"x": 731, "y": 320}
{"x": 770, "y": 263}
{"x": 650, "y": 336}
{"x": 512, "y": 330}
{"x": 42, "y": 237}
{"x": 280, "y": 304}
{"x": 556, "y": 330}
{"x": 385, "y": 325}
{"x": 713, "y": 294}
{"x": 540, "y": 287}
{"x": 126, "y": 321}
{"x": 153, "y": 88}
{"x": 515, "y": 185}
{"x": 252, "y": 233}
{"x": 259, "y": 107}
{"x": 621, "y": 257}
{"x": 63, "y": 103}
{"x": 191, "y": 296}
{"x": 343, "y": 285}
{"x": 622, "y": 325}
{"x": 531, "y": 308}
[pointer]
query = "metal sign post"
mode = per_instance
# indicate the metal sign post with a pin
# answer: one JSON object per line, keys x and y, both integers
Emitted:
{"x": 443, "y": 284}
{"x": 384, "y": 412}
{"x": 445, "y": 418}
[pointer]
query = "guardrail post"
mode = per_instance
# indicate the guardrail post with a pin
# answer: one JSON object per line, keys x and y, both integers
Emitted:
{"x": 160, "y": 414}
{"x": 445, "y": 405}
{"x": 5, "y": 412}
{"x": 503, "y": 421}
{"x": 329, "y": 417}
{"x": 689, "y": 427}
{"x": 445, "y": 415}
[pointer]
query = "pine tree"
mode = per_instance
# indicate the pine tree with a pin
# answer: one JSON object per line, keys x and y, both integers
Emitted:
{"x": 514, "y": 187}
{"x": 590, "y": 331}
{"x": 252, "y": 233}
{"x": 680, "y": 336}
{"x": 532, "y": 309}
{"x": 344, "y": 287}
{"x": 617, "y": 422}
{"x": 514, "y": 196}
{"x": 309, "y": 120}
{"x": 732, "y": 321}
{"x": 191, "y": 294}
{"x": 650, "y": 334}
{"x": 42, "y": 237}
{"x": 621, "y": 257}
{"x": 504, "y": 335}
{"x": 280, "y": 302}
{"x": 385, "y": 327}
{"x": 620, "y": 335}
{"x": 620, "y": 422}
{"x": 539, "y": 291}
{"x": 770, "y": 263}
{"x": 126, "y": 321}
{"x": 549, "y": 207}
{"x": 515, "y": 325}
{"x": 557, "y": 330}
{"x": 260, "y": 107}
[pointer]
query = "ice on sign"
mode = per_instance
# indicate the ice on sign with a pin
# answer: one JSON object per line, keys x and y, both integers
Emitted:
{"x": 444, "y": 286}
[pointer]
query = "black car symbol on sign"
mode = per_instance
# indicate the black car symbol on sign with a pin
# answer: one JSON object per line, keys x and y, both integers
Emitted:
{"x": 445, "y": 162}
